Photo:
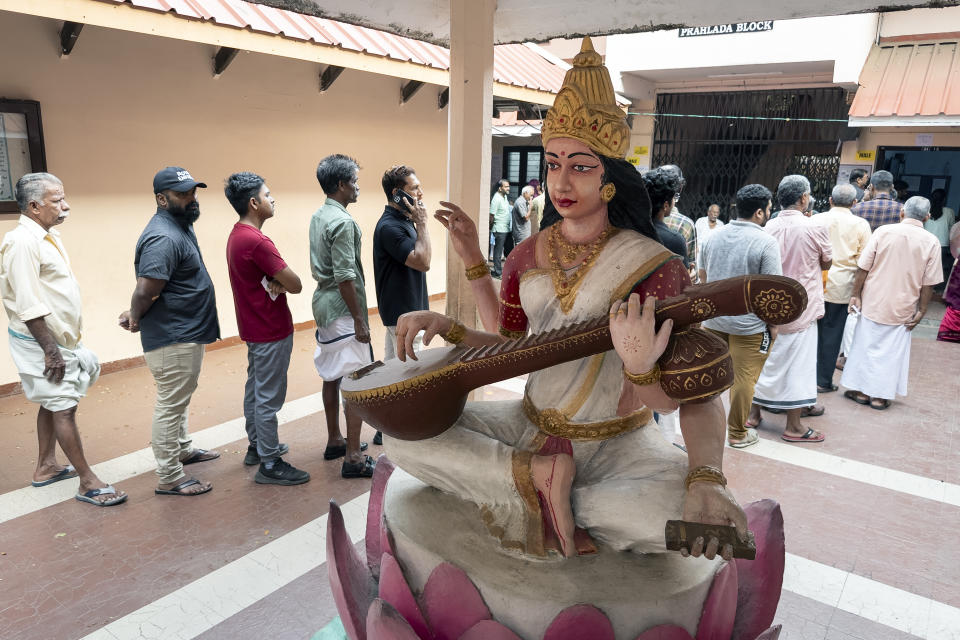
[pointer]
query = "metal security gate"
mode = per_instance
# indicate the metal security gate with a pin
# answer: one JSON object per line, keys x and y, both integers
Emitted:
{"x": 723, "y": 141}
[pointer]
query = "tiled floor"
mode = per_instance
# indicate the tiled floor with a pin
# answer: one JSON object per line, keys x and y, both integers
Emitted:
{"x": 869, "y": 516}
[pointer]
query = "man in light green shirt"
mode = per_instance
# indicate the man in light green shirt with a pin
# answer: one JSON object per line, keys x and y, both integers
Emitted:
{"x": 499, "y": 223}
{"x": 339, "y": 307}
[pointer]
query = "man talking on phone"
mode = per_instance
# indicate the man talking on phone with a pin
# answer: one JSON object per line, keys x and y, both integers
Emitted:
{"x": 401, "y": 253}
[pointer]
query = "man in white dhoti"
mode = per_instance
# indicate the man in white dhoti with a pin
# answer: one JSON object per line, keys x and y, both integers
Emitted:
{"x": 339, "y": 307}
{"x": 42, "y": 300}
{"x": 893, "y": 285}
{"x": 788, "y": 381}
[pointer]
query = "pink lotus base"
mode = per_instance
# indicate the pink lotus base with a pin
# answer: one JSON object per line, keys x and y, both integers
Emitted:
{"x": 375, "y": 601}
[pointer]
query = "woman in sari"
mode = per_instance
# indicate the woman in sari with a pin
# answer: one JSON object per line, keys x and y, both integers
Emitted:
{"x": 578, "y": 460}
{"x": 950, "y": 325}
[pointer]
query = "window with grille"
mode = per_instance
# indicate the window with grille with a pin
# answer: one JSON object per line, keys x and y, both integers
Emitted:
{"x": 520, "y": 166}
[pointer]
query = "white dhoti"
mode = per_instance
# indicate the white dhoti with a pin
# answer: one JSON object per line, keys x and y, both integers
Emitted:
{"x": 338, "y": 351}
{"x": 81, "y": 371}
{"x": 789, "y": 377}
{"x": 878, "y": 364}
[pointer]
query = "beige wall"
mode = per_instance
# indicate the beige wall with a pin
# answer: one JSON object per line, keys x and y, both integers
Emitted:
{"x": 873, "y": 137}
{"x": 124, "y": 105}
{"x": 919, "y": 21}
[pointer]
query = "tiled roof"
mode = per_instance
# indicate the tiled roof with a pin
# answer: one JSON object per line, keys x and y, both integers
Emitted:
{"x": 910, "y": 79}
{"x": 513, "y": 64}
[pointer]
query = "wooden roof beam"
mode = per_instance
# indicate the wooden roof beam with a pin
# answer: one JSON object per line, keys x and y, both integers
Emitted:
{"x": 69, "y": 33}
{"x": 409, "y": 89}
{"x": 329, "y": 76}
{"x": 222, "y": 60}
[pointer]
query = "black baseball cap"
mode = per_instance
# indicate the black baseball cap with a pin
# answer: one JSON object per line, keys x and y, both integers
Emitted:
{"x": 175, "y": 179}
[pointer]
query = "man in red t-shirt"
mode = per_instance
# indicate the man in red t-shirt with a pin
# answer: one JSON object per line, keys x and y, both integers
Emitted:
{"x": 260, "y": 280}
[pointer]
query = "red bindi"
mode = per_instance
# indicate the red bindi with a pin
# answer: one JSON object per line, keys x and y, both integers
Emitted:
{"x": 563, "y": 153}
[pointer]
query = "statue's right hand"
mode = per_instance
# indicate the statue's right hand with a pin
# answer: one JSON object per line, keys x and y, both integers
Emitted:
{"x": 463, "y": 233}
{"x": 410, "y": 324}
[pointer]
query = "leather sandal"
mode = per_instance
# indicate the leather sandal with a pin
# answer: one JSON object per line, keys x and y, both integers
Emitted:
{"x": 362, "y": 469}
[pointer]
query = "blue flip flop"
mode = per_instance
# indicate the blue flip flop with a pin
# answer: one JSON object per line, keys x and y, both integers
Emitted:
{"x": 65, "y": 474}
{"x": 91, "y": 496}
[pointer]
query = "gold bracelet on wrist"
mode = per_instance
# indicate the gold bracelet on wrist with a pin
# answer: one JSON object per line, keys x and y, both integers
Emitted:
{"x": 477, "y": 271}
{"x": 456, "y": 333}
{"x": 706, "y": 474}
{"x": 642, "y": 379}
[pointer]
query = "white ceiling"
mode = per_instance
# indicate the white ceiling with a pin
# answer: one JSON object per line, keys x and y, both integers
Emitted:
{"x": 541, "y": 20}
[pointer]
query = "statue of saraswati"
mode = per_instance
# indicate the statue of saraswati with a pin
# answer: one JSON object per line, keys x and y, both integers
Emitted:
{"x": 603, "y": 318}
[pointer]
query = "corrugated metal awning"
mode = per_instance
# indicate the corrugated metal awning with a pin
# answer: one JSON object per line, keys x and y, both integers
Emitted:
{"x": 909, "y": 84}
{"x": 514, "y": 64}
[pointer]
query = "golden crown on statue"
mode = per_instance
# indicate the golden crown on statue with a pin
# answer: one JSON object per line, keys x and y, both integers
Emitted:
{"x": 586, "y": 107}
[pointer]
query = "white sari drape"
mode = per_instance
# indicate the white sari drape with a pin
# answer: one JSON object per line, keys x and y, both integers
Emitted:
{"x": 626, "y": 486}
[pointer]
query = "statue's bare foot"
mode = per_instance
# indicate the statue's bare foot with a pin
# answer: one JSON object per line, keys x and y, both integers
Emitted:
{"x": 553, "y": 479}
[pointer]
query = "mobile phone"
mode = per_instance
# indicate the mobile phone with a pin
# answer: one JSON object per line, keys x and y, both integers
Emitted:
{"x": 400, "y": 196}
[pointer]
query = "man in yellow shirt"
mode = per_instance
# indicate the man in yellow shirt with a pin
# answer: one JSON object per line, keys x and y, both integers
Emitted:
{"x": 849, "y": 235}
{"x": 42, "y": 301}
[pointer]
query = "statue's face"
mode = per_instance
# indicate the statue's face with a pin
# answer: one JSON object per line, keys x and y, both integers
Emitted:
{"x": 574, "y": 178}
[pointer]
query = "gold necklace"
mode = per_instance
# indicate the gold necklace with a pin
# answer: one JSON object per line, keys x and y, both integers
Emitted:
{"x": 569, "y": 251}
{"x": 566, "y": 286}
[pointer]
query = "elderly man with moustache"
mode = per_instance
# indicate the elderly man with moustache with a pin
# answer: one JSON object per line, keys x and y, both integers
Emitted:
{"x": 894, "y": 283}
{"x": 42, "y": 301}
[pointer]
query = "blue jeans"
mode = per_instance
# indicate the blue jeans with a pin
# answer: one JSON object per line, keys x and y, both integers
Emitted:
{"x": 500, "y": 239}
{"x": 263, "y": 396}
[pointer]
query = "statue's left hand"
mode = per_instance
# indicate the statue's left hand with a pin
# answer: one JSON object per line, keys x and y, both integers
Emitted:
{"x": 634, "y": 334}
{"x": 712, "y": 503}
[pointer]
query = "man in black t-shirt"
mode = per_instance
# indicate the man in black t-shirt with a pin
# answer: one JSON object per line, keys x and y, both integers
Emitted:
{"x": 174, "y": 309}
{"x": 401, "y": 252}
{"x": 661, "y": 187}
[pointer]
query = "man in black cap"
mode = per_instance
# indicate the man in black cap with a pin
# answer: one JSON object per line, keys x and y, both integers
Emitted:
{"x": 174, "y": 309}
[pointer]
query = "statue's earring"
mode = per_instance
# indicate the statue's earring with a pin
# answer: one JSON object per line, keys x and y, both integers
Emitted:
{"x": 607, "y": 191}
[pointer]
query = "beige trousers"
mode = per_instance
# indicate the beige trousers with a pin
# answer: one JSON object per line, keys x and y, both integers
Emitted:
{"x": 390, "y": 343}
{"x": 175, "y": 369}
{"x": 748, "y": 361}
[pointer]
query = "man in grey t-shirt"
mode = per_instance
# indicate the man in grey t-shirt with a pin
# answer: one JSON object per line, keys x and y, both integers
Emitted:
{"x": 738, "y": 249}
{"x": 174, "y": 308}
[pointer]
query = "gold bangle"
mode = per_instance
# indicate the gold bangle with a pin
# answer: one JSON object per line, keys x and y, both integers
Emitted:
{"x": 706, "y": 474}
{"x": 477, "y": 271}
{"x": 642, "y": 379}
{"x": 456, "y": 333}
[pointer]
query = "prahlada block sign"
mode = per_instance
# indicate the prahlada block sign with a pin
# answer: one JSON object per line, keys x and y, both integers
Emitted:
{"x": 732, "y": 27}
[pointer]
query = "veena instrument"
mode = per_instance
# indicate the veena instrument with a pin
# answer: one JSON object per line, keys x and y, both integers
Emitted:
{"x": 422, "y": 398}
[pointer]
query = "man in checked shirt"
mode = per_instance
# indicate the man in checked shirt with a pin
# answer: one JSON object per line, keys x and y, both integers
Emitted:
{"x": 883, "y": 208}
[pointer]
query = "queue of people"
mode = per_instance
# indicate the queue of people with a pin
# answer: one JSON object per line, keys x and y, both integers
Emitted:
{"x": 173, "y": 309}
{"x": 869, "y": 269}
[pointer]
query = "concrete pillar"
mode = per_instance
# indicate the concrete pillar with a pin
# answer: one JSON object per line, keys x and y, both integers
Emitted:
{"x": 468, "y": 146}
